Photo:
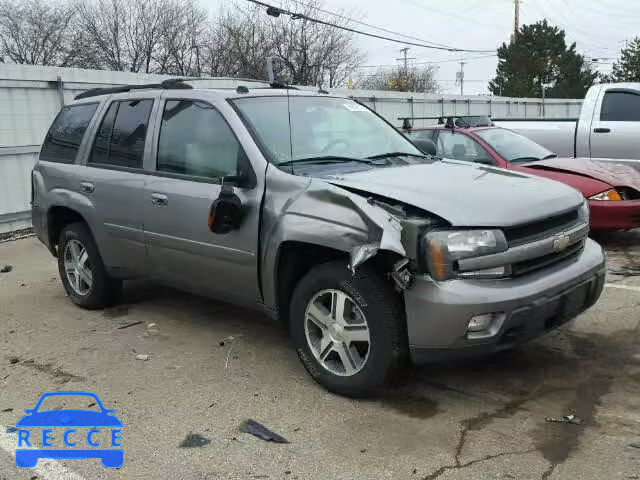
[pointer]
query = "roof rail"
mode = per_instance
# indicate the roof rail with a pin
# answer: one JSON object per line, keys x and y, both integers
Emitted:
{"x": 452, "y": 121}
{"x": 171, "y": 83}
{"x": 282, "y": 85}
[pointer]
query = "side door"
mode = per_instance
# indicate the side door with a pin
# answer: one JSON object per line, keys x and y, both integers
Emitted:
{"x": 458, "y": 146}
{"x": 196, "y": 150}
{"x": 615, "y": 130}
{"x": 112, "y": 179}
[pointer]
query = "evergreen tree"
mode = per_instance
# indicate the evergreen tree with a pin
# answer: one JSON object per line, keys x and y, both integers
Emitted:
{"x": 627, "y": 68}
{"x": 538, "y": 55}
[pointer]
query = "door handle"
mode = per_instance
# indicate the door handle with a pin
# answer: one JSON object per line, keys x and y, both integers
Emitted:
{"x": 159, "y": 199}
{"x": 87, "y": 187}
{"x": 601, "y": 130}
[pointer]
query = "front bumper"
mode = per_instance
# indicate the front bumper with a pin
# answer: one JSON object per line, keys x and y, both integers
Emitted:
{"x": 622, "y": 215}
{"x": 438, "y": 313}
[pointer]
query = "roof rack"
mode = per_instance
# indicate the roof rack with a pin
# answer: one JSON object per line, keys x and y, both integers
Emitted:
{"x": 452, "y": 121}
{"x": 171, "y": 83}
{"x": 282, "y": 85}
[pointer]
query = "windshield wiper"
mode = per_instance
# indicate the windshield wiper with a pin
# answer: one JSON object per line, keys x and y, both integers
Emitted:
{"x": 533, "y": 159}
{"x": 524, "y": 159}
{"x": 398, "y": 154}
{"x": 328, "y": 159}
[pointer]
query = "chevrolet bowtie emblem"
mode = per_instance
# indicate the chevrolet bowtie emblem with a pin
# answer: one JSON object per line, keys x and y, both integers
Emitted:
{"x": 561, "y": 242}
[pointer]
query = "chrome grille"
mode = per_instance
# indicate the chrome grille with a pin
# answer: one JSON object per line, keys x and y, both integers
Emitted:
{"x": 527, "y": 266}
{"x": 533, "y": 231}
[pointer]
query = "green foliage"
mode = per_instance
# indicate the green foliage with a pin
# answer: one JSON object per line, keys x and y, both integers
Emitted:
{"x": 538, "y": 55}
{"x": 627, "y": 68}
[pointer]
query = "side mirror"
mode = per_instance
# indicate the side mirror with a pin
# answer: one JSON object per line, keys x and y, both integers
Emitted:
{"x": 225, "y": 214}
{"x": 428, "y": 147}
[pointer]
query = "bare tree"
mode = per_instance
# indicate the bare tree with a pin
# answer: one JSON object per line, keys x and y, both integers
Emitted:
{"x": 238, "y": 43}
{"x": 312, "y": 53}
{"x": 177, "y": 37}
{"x": 35, "y": 32}
{"x": 182, "y": 38}
{"x": 413, "y": 80}
{"x": 123, "y": 34}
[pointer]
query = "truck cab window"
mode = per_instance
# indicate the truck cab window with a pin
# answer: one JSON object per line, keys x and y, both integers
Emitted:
{"x": 620, "y": 107}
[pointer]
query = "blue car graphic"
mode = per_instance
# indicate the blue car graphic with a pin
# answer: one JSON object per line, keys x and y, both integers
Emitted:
{"x": 28, "y": 457}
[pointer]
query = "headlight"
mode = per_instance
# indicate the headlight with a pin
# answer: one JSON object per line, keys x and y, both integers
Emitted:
{"x": 610, "y": 196}
{"x": 584, "y": 212}
{"x": 444, "y": 248}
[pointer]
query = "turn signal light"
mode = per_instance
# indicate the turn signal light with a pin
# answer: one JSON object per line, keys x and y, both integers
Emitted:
{"x": 610, "y": 195}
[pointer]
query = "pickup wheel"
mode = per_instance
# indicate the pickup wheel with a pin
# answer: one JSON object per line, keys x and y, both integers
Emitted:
{"x": 81, "y": 269}
{"x": 349, "y": 330}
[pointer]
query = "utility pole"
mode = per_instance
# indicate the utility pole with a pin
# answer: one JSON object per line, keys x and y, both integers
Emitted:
{"x": 405, "y": 72}
{"x": 460, "y": 76}
{"x": 516, "y": 17}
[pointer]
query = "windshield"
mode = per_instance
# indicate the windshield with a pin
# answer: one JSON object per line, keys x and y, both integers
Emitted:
{"x": 296, "y": 127}
{"x": 512, "y": 146}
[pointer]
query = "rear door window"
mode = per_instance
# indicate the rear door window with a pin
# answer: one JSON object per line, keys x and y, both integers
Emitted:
{"x": 620, "y": 107}
{"x": 422, "y": 134}
{"x": 122, "y": 133}
{"x": 65, "y": 135}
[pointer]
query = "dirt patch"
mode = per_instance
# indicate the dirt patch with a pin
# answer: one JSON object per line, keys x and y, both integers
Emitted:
{"x": 411, "y": 405}
{"x": 116, "y": 312}
{"x": 59, "y": 376}
{"x": 556, "y": 441}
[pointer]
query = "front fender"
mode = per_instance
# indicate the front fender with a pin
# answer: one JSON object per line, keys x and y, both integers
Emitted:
{"x": 316, "y": 212}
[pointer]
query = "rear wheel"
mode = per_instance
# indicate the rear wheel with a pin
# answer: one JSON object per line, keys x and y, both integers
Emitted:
{"x": 348, "y": 329}
{"x": 81, "y": 269}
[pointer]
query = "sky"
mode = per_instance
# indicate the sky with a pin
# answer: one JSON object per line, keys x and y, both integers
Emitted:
{"x": 599, "y": 28}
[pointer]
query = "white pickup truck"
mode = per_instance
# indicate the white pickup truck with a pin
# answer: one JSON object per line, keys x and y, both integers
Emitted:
{"x": 608, "y": 126}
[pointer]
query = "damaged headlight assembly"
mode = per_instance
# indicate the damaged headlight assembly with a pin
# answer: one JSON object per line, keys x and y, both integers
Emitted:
{"x": 444, "y": 248}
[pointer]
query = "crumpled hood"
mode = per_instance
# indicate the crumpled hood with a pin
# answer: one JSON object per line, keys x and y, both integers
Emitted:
{"x": 465, "y": 194}
{"x": 615, "y": 173}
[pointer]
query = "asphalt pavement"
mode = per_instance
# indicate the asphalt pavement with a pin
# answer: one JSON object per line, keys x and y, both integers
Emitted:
{"x": 210, "y": 366}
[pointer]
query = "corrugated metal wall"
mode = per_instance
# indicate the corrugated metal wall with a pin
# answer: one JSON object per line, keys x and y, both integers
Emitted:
{"x": 31, "y": 96}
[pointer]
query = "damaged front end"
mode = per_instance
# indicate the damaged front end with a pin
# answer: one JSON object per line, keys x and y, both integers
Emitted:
{"x": 358, "y": 223}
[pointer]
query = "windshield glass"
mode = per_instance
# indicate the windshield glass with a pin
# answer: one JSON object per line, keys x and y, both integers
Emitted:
{"x": 512, "y": 146}
{"x": 297, "y": 127}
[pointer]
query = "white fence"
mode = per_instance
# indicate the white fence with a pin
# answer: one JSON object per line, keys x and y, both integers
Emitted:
{"x": 31, "y": 96}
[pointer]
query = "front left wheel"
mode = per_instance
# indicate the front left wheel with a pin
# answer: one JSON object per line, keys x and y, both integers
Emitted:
{"x": 81, "y": 269}
{"x": 348, "y": 329}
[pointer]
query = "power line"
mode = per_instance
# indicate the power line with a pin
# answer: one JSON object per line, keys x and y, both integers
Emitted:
{"x": 467, "y": 17}
{"x": 277, "y": 11}
{"x": 431, "y": 62}
{"x": 369, "y": 25}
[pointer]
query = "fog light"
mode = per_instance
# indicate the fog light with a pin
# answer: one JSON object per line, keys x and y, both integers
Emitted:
{"x": 480, "y": 322}
{"x": 485, "y": 325}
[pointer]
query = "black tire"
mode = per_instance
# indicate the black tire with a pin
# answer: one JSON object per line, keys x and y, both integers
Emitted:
{"x": 380, "y": 304}
{"x": 104, "y": 290}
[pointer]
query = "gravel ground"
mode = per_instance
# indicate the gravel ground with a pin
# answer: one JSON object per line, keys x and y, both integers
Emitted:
{"x": 211, "y": 366}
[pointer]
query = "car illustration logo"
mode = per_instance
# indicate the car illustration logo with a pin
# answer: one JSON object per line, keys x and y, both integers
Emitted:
{"x": 561, "y": 242}
{"x": 85, "y": 433}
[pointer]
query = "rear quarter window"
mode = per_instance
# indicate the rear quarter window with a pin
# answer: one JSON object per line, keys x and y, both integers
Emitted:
{"x": 63, "y": 139}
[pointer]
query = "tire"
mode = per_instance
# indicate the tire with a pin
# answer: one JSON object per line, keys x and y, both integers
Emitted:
{"x": 376, "y": 301}
{"x": 102, "y": 290}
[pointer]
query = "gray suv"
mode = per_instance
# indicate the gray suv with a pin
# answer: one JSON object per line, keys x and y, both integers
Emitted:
{"x": 315, "y": 210}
